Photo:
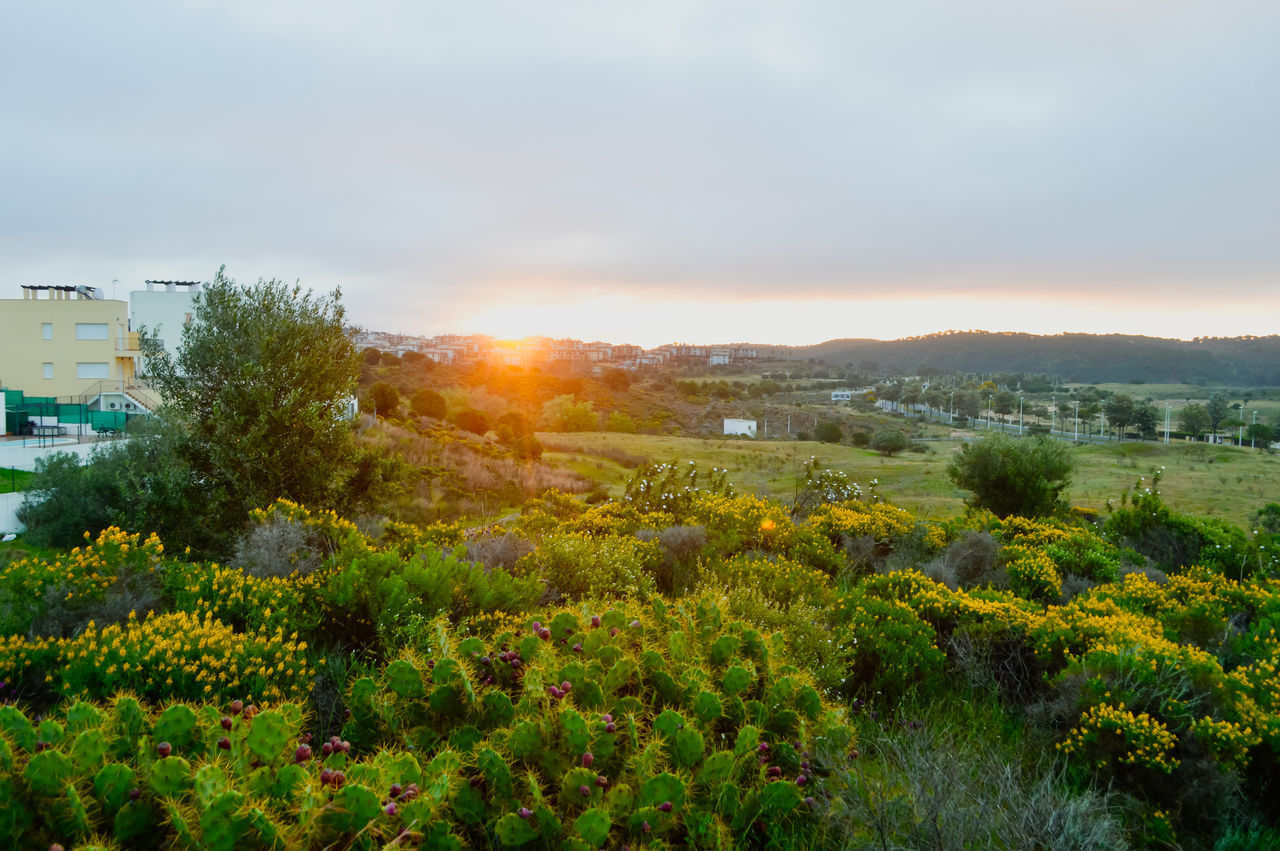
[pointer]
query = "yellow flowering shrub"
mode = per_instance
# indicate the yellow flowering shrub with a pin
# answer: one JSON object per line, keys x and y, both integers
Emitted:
{"x": 80, "y": 575}
{"x": 858, "y": 519}
{"x": 182, "y": 656}
{"x": 1032, "y": 573}
{"x": 247, "y": 602}
{"x": 777, "y": 578}
{"x": 1107, "y": 736}
{"x": 584, "y": 566}
{"x": 1229, "y": 741}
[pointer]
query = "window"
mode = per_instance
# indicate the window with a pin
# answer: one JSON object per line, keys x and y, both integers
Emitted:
{"x": 46, "y": 330}
{"x": 48, "y": 370}
{"x": 93, "y": 370}
{"x": 91, "y": 330}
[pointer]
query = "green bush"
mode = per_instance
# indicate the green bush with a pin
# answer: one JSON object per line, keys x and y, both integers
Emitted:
{"x": 1008, "y": 476}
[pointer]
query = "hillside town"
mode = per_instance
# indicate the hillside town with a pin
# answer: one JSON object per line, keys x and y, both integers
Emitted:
{"x": 537, "y": 351}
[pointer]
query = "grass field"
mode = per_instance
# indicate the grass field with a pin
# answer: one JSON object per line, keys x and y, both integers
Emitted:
{"x": 1214, "y": 481}
{"x": 13, "y": 480}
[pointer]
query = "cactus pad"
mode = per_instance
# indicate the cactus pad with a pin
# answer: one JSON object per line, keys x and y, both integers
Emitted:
{"x": 514, "y": 831}
{"x": 404, "y": 679}
{"x": 47, "y": 772}
{"x": 111, "y": 785}
{"x": 269, "y": 735}
{"x": 176, "y": 725}
{"x": 593, "y": 826}
{"x": 170, "y": 775}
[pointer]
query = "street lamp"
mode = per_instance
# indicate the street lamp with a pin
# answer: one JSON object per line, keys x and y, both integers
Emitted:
{"x": 1077, "y": 420}
{"x": 1253, "y": 432}
{"x": 1168, "y": 410}
{"x": 1019, "y": 413}
{"x": 1053, "y": 413}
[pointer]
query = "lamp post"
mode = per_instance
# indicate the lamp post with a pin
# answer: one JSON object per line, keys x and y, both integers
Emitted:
{"x": 951, "y": 407}
{"x": 1253, "y": 435}
{"x": 1019, "y": 414}
{"x": 988, "y": 412}
{"x": 1053, "y": 413}
{"x": 1168, "y": 410}
{"x": 1077, "y": 421}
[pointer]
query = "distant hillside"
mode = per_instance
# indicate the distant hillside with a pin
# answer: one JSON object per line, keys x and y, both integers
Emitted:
{"x": 1243, "y": 361}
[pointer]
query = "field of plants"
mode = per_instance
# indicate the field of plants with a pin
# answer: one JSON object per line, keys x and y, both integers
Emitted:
{"x": 683, "y": 666}
{"x": 1215, "y": 481}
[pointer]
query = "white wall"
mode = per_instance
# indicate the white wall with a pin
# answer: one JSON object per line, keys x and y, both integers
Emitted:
{"x": 163, "y": 313}
{"x": 9, "y": 503}
{"x": 743, "y": 427}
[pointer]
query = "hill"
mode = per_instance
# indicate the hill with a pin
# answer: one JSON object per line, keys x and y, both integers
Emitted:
{"x": 1242, "y": 361}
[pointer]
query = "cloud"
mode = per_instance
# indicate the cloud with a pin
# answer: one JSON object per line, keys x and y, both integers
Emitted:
{"x": 441, "y": 156}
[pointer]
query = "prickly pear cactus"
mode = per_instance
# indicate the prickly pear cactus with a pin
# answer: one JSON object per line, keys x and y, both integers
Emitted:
{"x": 269, "y": 735}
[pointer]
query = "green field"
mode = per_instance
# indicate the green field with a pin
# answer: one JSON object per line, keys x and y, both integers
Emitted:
{"x": 13, "y": 480}
{"x": 1215, "y": 481}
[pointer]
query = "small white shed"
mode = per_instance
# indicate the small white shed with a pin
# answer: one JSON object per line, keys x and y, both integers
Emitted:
{"x": 746, "y": 428}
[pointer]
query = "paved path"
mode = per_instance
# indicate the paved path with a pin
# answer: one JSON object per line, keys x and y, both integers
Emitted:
{"x": 14, "y": 454}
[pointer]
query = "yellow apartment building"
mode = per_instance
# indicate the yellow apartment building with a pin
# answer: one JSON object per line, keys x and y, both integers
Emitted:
{"x": 66, "y": 342}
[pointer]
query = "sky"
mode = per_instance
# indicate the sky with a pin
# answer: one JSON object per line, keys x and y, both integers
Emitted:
{"x": 774, "y": 172}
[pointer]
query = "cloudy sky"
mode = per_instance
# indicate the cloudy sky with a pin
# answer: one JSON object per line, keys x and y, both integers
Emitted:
{"x": 778, "y": 172}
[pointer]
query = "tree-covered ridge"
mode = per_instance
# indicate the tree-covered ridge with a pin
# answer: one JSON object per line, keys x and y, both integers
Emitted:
{"x": 684, "y": 666}
{"x": 1244, "y": 361}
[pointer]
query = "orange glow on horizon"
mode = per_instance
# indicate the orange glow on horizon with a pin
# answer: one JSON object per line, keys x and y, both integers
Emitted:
{"x": 806, "y": 321}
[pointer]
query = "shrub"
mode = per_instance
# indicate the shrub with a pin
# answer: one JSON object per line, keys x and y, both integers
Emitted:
{"x": 579, "y": 566}
{"x": 895, "y": 649}
{"x": 828, "y": 432}
{"x": 428, "y": 403}
{"x": 620, "y": 422}
{"x": 1008, "y": 476}
{"x": 889, "y": 442}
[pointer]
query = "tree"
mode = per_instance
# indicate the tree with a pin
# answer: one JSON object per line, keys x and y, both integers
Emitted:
{"x": 1004, "y": 402}
{"x": 261, "y": 391}
{"x": 1119, "y": 411}
{"x": 469, "y": 419}
{"x": 968, "y": 405}
{"x": 889, "y": 442}
{"x": 1145, "y": 420}
{"x": 1194, "y": 420}
{"x": 565, "y": 413}
{"x": 1008, "y": 475}
{"x": 428, "y": 403}
{"x": 1261, "y": 435}
{"x": 828, "y": 432}
{"x": 617, "y": 380}
{"x": 1217, "y": 408}
{"x": 385, "y": 399}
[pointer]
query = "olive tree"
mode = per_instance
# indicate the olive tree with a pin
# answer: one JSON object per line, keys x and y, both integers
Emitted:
{"x": 260, "y": 391}
{"x": 1009, "y": 475}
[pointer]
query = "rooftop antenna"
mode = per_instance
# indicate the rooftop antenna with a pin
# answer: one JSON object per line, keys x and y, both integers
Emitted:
{"x": 114, "y": 281}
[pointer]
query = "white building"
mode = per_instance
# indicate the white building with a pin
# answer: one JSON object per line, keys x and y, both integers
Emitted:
{"x": 164, "y": 308}
{"x": 746, "y": 428}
